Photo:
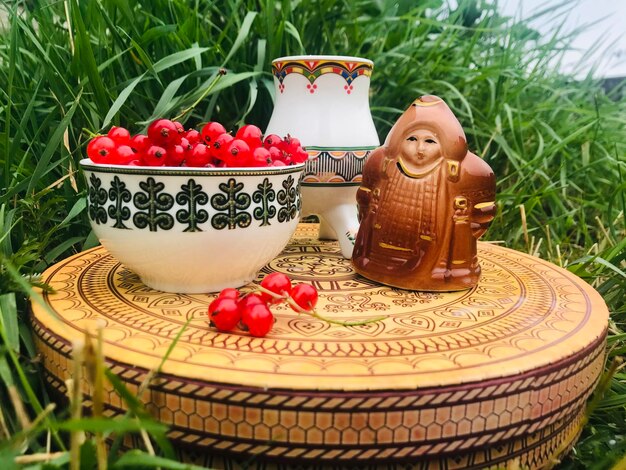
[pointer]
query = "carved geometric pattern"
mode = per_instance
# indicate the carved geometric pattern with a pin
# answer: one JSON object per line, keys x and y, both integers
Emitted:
{"x": 485, "y": 390}
{"x": 357, "y": 426}
{"x": 533, "y": 451}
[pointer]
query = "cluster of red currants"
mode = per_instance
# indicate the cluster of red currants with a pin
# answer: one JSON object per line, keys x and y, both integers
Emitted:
{"x": 169, "y": 144}
{"x": 252, "y": 310}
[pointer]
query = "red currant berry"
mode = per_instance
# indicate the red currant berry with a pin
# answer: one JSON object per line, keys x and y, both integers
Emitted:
{"x": 276, "y": 153}
{"x": 184, "y": 143}
{"x": 99, "y": 149}
{"x": 251, "y": 135}
{"x": 300, "y": 155}
{"x": 258, "y": 318}
{"x": 155, "y": 156}
{"x": 249, "y": 300}
{"x": 120, "y": 135}
{"x": 305, "y": 296}
{"x": 272, "y": 140}
{"x": 211, "y": 131}
{"x": 123, "y": 155}
{"x": 238, "y": 154}
{"x": 163, "y": 132}
{"x": 180, "y": 129}
{"x": 140, "y": 143}
{"x": 293, "y": 142}
{"x": 193, "y": 136}
{"x": 176, "y": 155}
{"x": 224, "y": 313}
{"x": 229, "y": 293}
{"x": 199, "y": 156}
{"x": 277, "y": 283}
{"x": 290, "y": 145}
{"x": 261, "y": 157}
{"x": 220, "y": 146}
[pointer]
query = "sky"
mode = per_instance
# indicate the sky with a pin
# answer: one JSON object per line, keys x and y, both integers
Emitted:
{"x": 610, "y": 31}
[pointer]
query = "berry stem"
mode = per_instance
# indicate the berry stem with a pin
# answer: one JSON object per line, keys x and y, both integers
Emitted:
{"x": 90, "y": 134}
{"x": 314, "y": 313}
{"x": 272, "y": 294}
{"x": 220, "y": 74}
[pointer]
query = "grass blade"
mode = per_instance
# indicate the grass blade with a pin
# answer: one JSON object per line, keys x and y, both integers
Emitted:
{"x": 9, "y": 321}
{"x": 44, "y": 162}
{"x": 244, "y": 30}
{"x": 121, "y": 100}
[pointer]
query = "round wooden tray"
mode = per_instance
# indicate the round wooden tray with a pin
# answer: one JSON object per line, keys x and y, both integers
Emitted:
{"x": 465, "y": 379}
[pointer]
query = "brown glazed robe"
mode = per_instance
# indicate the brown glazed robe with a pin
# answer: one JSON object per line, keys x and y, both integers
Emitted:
{"x": 419, "y": 231}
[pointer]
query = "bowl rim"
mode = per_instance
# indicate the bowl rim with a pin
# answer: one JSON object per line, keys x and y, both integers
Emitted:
{"x": 340, "y": 58}
{"x": 89, "y": 165}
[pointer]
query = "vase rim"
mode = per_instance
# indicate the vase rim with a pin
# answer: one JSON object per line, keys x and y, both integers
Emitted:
{"x": 343, "y": 58}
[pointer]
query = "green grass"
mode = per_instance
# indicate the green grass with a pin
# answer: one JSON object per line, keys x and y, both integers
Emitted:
{"x": 69, "y": 69}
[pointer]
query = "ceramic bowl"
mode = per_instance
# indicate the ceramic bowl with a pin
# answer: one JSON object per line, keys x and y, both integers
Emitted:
{"x": 193, "y": 230}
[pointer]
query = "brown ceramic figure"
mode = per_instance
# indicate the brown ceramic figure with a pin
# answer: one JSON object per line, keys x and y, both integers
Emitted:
{"x": 423, "y": 203}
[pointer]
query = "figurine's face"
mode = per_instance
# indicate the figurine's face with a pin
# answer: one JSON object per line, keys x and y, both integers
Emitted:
{"x": 421, "y": 148}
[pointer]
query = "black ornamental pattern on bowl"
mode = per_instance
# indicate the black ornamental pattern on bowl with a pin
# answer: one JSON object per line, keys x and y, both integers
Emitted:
{"x": 191, "y": 203}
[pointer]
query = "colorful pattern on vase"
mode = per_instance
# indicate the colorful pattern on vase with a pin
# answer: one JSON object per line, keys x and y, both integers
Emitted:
{"x": 313, "y": 69}
{"x": 335, "y": 166}
{"x": 155, "y": 209}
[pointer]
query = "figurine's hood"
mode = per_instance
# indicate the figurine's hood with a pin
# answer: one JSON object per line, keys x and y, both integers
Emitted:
{"x": 432, "y": 113}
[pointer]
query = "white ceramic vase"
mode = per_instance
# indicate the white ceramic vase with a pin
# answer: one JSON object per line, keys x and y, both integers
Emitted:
{"x": 324, "y": 101}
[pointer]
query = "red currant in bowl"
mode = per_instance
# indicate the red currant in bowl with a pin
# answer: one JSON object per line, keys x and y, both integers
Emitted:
{"x": 251, "y": 135}
{"x": 211, "y": 131}
{"x": 238, "y": 154}
{"x": 123, "y": 155}
{"x": 164, "y": 132}
{"x": 199, "y": 156}
{"x": 100, "y": 148}
{"x": 119, "y": 135}
{"x": 155, "y": 156}
{"x": 139, "y": 143}
{"x": 167, "y": 143}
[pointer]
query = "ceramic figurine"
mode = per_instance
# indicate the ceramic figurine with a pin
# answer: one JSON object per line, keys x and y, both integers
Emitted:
{"x": 423, "y": 203}
{"x": 324, "y": 100}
